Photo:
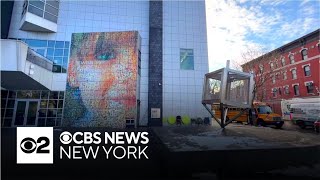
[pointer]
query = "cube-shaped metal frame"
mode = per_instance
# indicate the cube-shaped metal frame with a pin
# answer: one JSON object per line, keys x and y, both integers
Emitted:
{"x": 223, "y": 75}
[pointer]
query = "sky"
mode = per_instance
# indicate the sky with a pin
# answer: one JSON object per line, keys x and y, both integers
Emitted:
{"x": 235, "y": 26}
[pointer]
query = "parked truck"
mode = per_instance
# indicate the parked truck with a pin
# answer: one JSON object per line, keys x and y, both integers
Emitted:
{"x": 303, "y": 112}
{"x": 262, "y": 111}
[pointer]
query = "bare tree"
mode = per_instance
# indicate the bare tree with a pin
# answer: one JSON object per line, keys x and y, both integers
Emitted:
{"x": 264, "y": 67}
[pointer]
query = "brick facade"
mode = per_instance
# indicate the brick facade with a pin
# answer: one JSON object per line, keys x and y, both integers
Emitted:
{"x": 305, "y": 64}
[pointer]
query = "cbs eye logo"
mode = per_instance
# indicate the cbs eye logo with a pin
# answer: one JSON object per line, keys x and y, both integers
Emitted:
{"x": 65, "y": 137}
{"x": 34, "y": 145}
{"x": 29, "y": 145}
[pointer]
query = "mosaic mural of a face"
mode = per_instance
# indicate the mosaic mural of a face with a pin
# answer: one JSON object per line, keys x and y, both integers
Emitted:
{"x": 102, "y": 79}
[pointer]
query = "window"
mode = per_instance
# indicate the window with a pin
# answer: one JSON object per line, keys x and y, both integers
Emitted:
{"x": 37, "y": 3}
{"x": 286, "y": 89}
{"x": 307, "y": 71}
{"x": 304, "y": 54}
{"x": 296, "y": 90}
{"x": 273, "y": 79}
{"x": 55, "y": 51}
{"x": 291, "y": 57}
{"x": 186, "y": 59}
{"x": 294, "y": 73}
{"x": 50, "y": 107}
{"x": 271, "y": 66}
{"x": 283, "y": 62}
{"x": 261, "y": 68}
{"x": 274, "y": 92}
{"x": 284, "y": 75}
{"x": 310, "y": 87}
{"x": 25, "y": 5}
{"x": 45, "y": 9}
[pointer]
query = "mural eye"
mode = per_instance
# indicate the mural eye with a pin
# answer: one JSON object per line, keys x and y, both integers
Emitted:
{"x": 106, "y": 56}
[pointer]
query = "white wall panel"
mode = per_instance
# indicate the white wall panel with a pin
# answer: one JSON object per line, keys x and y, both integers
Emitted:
{"x": 184, "y": 27}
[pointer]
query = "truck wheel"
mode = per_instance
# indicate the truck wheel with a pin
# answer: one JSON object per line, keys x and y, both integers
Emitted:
{"x": 301, "y": 124}
{"x": 279, "y": 126}
{"x": 317, "y": 129}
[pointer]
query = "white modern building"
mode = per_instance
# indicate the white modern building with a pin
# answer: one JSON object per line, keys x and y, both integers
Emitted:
{"x": 34, "y": 56}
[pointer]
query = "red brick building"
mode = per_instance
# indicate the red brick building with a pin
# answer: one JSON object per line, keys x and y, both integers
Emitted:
{"x": 293, "y": 73}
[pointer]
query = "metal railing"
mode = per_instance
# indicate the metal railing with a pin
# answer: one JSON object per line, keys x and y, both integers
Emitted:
{"x": 39, "y": 60}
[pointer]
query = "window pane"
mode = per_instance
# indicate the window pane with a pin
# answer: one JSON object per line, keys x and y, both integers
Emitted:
{"x": 60, "y": 104}
{"x": 43, "y": 104}
{"x": 51, "y": 10}
{"x": 29, "y": 94}
{"x": 59, "y": 44}
{"x": 66, "y": 44}
{"x": 291, "y": 59}
{"x": 40, "y": 51}
{"x": 3, "y": 104}
{"x": 50, "y": 17}
{"x": 37, "y": 3}
{"x": 304, "y": 52}
{"x": 66, "y": 52}
{"x": 59, "y": 113}
{"x": 42, "y": 113}
{"x": 54, "y": 94}
{"x": 35, "y": 11}
{"x": 51, "y": 113}
{"x": 61, "y": 95}
{"x": 53, "y": 104}
{"x": 9, "y": 113}
{"x": 50, "y": 52}
{"x": 50, "y": 122}
{"x": 51, "y": 43}
{"x": 4, "y": 94}
{"x": 58, "y": 52}
{"x": 296, "y": 90}
{"x": 12, "y": 94}
{"x": 53, "y": 3}
{"x": 186, "y": 59}
{"x": 10, "y": 103}
{"x": 307, "y": 68}
{"x": 36, "y": 43}
{"x": 65, "y": 62}
{"x": 283, "y": 62}
{"x": 44, "y": 94}
{"x": 58, "y": 60}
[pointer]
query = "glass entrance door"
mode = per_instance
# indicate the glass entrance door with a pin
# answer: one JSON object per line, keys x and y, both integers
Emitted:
{"x": 26, "y": 113}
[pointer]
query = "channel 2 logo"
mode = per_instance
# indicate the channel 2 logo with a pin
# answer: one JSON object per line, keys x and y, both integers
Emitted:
{"x": 34, "y": 145}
